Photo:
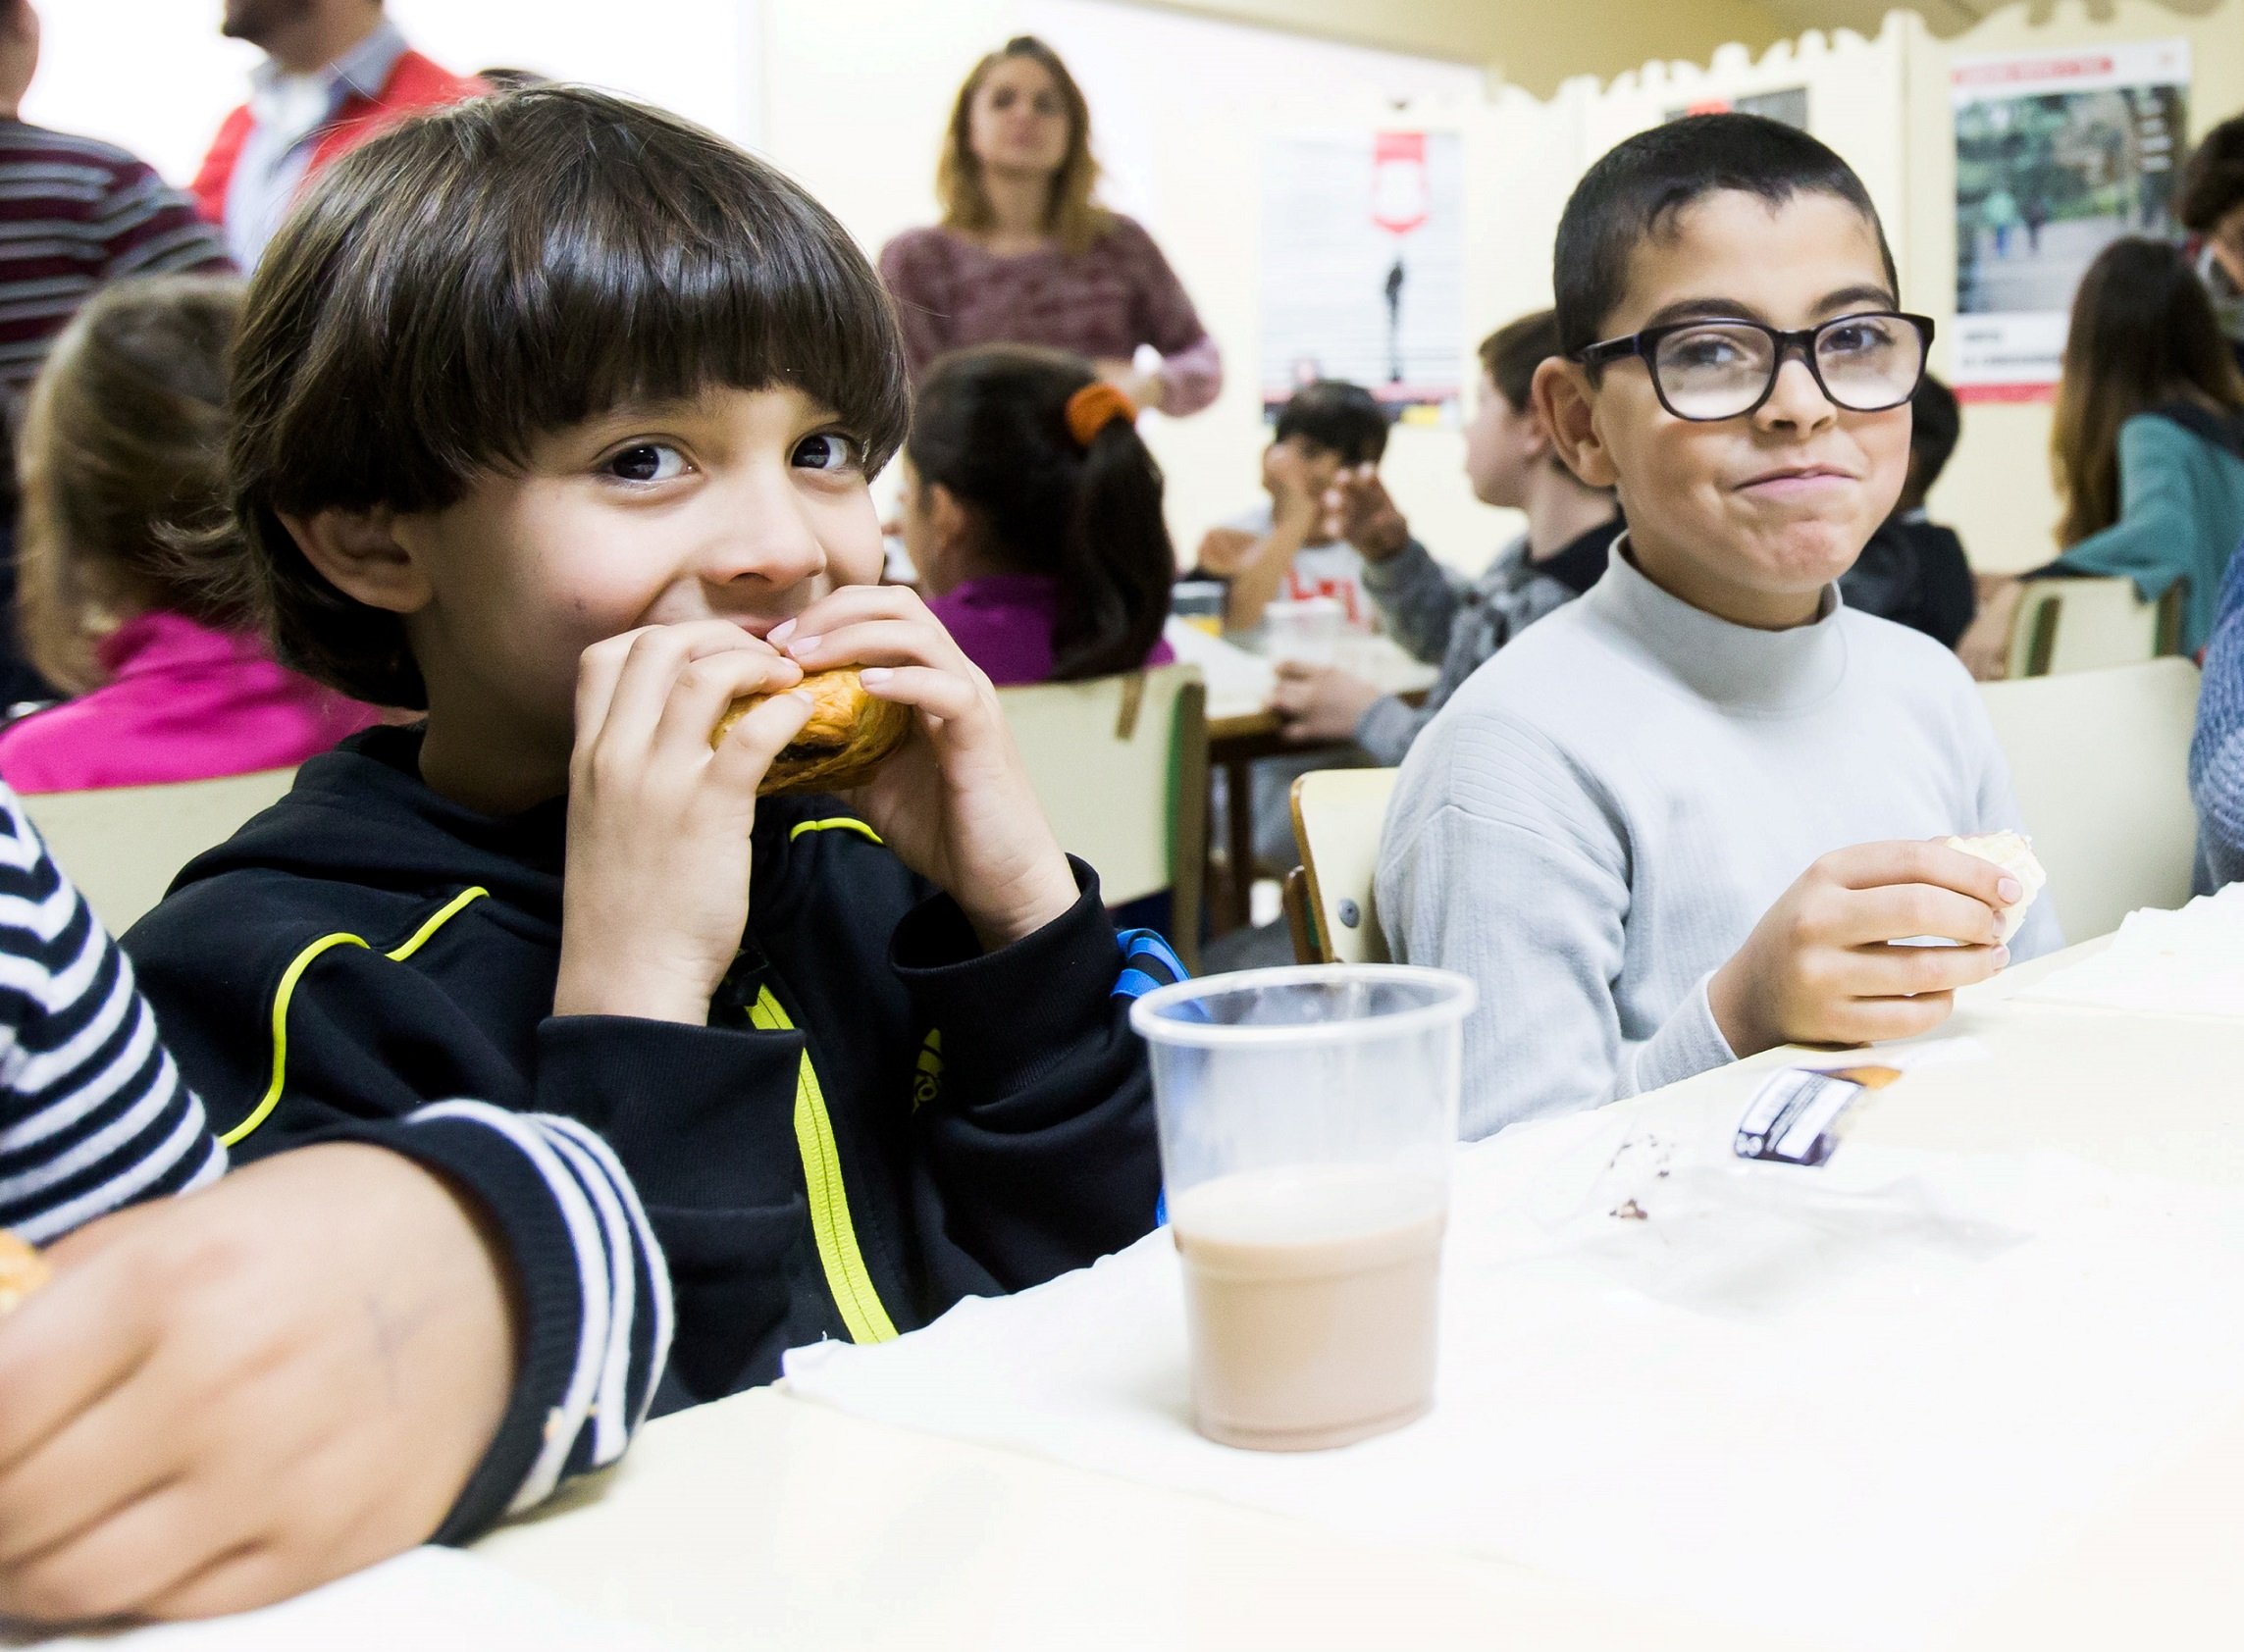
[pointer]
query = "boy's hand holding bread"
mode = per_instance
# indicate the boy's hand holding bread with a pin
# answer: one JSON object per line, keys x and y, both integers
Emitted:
{"x": 1821, "y": 967}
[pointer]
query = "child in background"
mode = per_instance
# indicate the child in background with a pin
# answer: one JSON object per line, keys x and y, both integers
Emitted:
{"x": 553, "y": 415}
{"x": 1440, "y": 618}
{"x": 1032, "y": 510}
{"x": 1686, "y": 818}
{"x": 1280, "y": 549}
{"x": 2148, "y": 442}
{"x": 123, "y": 463}
{"x": 1913, "y": 571}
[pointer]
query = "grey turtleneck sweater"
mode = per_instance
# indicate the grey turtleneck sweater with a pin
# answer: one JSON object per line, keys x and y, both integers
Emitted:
{"x": 1600, "y": 817}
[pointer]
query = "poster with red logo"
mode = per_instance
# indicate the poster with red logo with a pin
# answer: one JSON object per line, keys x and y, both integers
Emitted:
{"x": 1363, "y": 266}
{"x": 2058, "y": 154}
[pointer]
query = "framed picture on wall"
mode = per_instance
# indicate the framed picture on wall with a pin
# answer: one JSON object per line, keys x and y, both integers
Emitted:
{"x": 1363, "y": 266}
{"x": 2056, "y": 155}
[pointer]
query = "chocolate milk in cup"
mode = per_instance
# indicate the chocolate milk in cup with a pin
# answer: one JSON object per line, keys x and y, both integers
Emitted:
{"x": 1307, "y": 1117}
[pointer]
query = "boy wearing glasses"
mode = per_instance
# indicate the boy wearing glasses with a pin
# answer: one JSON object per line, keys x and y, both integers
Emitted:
{"x": 1687, "y": 817}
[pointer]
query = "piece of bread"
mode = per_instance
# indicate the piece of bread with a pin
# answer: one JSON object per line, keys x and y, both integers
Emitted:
{"x": 850, "y": 734}
{"x": 23, "y": 1270}
{"x": 2014, "y": 853}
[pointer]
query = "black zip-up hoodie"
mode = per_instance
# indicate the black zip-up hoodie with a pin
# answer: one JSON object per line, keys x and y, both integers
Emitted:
{"x": 878, "y": 1121}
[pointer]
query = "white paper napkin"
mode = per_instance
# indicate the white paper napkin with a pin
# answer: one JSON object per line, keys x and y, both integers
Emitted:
{"x": 426, "y": 1600}
{"x": 1843, "y": 1404}
{"x": 2186, "y": 963}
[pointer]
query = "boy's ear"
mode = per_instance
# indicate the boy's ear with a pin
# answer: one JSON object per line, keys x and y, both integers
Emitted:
{"x": 360, "y": 554}
{"x": 1566, "y": 406}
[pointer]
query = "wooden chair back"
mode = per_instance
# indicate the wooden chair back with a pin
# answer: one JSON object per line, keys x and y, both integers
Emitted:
{"x": 2101, "y": 764}
{"x": 124, "y": 844}
{"x": 1337, "y": 817}
{"x": 1120, "y": 764}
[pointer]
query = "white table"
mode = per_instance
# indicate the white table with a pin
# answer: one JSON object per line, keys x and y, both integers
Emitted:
{"x": 768, "y": 1521}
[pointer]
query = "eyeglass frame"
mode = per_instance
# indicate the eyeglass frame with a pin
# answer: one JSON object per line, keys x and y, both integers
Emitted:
{"x": 1646, "y": 344}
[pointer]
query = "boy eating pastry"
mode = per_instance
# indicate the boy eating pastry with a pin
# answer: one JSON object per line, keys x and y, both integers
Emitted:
{"x": 1686, "y": 817}
{"x": 575, "y": 1074}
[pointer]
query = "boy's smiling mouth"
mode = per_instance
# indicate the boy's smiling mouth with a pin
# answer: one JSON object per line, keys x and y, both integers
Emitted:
{"x": 1802, "y": 484}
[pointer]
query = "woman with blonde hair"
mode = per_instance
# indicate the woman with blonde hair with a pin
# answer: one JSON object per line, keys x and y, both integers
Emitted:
{"x": 121, "y": 463}
{"x": 2148, "y": 445}
{"x": 1025, "y": 255}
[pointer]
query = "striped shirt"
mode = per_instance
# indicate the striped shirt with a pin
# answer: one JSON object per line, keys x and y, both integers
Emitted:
{"x": 93, "y": 1114}
{"x": 76, "y": 214}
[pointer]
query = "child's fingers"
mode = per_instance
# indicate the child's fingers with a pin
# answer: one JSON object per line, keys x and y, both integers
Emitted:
{"x": 1903, "y": 912}
{"x": 846, "y": 603}
{"x": 704, "y": 690}
{"x": 899, "y": 640}
{"x": 1878, "y": 1020}
{"x": 746, "y": 753}
{"x": 103, "y": 1460}
{"x": 59, "y": 1353}
{"x": 255, "y": 1575}
{"x": 651, "y": 667}
{"x": 1871, "y": 865}
{"x": 923, "y": 688}
{"x": 1879, "y": 972}
{"x": 118, "y": 1565}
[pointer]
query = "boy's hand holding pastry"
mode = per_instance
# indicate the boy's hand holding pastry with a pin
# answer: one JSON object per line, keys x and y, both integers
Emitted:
{"x": 656, "y": 899}
{"x": 1821, "y": 967}
{"x": 955, "y": 803}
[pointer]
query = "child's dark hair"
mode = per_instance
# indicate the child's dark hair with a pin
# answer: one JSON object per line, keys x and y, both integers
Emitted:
{"x": 992, "y": 426}
{"x": 2143, "y": 334}
{"x": 1936, "y": 424}
{"x": 2213, "y": 179}
{"x": 1337, "y": 416}
{"x": 1634, "y": 191}
{"x": 504, "y": 269}
{"x": 1511, "y": 354}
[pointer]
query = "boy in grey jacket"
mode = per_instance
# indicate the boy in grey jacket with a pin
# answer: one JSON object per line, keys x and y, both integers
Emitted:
{"x": 1441, "y": 616}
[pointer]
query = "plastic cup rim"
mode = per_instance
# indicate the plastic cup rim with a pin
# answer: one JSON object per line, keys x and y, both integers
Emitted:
{"x": 1146, "y": 1020}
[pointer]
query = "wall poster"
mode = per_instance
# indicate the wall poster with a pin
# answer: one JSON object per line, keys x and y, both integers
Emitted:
{"x": 2056, "y": 155}
{"x": 1363, "y": 266}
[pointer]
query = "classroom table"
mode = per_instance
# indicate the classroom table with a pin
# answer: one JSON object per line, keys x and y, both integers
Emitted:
{"x": 1243, "y": 729}
{"x": 771, "y": 1522}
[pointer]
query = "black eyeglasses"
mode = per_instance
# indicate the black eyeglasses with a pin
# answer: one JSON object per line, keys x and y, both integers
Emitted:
{"x": 1709, "y": 370}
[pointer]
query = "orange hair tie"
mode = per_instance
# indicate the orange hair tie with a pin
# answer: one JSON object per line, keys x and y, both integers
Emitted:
{"x": 1094, "y": 407}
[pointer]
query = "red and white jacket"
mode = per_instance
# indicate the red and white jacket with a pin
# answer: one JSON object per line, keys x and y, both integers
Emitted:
{"x": 416, "y": 84}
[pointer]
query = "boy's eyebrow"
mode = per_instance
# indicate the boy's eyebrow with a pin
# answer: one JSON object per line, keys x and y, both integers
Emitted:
{"x": 1733, "y": 309}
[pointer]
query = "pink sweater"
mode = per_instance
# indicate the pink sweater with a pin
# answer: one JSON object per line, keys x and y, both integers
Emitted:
{"x": 183, "y": 703}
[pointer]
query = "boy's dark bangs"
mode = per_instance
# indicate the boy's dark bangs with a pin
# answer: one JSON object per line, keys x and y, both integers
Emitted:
{"x": 656, "y": 298}
{"x": 584, "y": 259}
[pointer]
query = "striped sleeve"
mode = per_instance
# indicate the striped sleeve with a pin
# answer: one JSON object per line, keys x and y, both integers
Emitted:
{"x": 93, "y": 1113}
{"x": 598, "y": 1315}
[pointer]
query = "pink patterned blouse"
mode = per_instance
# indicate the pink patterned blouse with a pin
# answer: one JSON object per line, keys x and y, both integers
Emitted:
{"x": 952, "y": 293}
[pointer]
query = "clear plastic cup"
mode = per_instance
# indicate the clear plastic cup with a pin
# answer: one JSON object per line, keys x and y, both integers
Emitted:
{"x": 1305, "y": 631}
{"x": 1307, "y": 1119}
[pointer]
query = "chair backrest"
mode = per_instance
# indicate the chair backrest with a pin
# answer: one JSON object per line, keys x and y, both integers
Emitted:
{"x": 1337, "y": 814}
{"x": 1122, "y": 766}
{"x": 2088, "y": 625}
{"x": 2101, "y": 764}
{"x": 123, "y": 846}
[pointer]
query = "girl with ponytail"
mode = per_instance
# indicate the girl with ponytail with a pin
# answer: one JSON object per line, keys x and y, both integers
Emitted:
{"x": 1033, "y": 513}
